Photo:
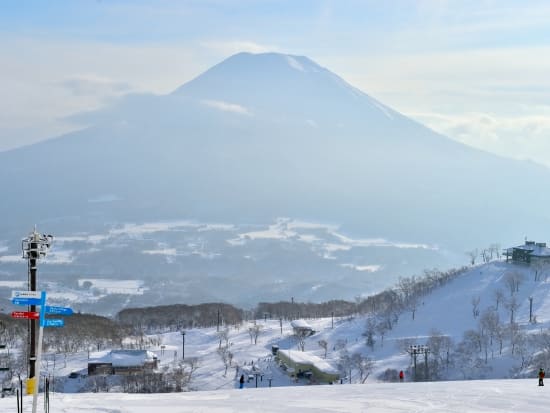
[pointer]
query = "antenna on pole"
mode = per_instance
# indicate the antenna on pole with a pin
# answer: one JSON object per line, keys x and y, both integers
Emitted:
{"x": 34, "y": 247}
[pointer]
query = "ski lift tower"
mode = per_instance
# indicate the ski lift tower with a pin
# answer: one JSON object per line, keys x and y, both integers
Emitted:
{"x": 34, "y": 247}
{"x": 414, "y": 351}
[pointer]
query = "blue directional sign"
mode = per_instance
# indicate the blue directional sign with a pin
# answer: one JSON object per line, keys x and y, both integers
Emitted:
{"x": 54, "y": 322}
{"x": 26, "y": 301}
{"x": 58, "y": 310}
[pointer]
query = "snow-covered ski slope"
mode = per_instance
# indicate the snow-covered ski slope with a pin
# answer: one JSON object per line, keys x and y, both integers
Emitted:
{"x": 447, "y": 309}
{"x": 485, "y": 396}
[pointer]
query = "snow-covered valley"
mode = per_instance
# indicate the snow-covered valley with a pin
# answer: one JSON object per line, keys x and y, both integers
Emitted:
{"x": 184, "y": 261}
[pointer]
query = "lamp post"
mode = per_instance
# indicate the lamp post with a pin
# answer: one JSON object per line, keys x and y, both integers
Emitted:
{"x": 34, "y": 247}
{"x": 183, "y": 345}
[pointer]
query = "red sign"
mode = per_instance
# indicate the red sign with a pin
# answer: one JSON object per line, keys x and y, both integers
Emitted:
{"x": 34, "y": 315}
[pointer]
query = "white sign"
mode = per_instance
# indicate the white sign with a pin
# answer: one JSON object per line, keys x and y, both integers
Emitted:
{"x": 26, "y": 294}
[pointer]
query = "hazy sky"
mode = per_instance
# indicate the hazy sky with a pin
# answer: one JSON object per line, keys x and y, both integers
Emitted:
{"x": 477, "y": 71}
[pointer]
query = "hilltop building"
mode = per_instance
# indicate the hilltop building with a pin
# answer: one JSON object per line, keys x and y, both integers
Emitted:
{"x": 530, "y": 253}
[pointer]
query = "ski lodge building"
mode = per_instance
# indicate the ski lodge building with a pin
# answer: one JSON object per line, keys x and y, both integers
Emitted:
{"x": 122, "y": 362}
{"x": 530, "y": 253}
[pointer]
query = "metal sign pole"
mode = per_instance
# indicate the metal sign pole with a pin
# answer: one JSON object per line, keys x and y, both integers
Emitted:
{"x": 39, "y": 349}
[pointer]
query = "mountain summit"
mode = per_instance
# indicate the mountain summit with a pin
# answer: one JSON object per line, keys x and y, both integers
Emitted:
{"x": 269, "y": 135}
{"x": 276, "y": 84}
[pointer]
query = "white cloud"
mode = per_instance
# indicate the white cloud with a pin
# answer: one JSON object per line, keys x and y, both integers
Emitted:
{"x": 76, "y": 76}
{"x": 493, "y": 99}
{"x": 231, "y": 47}
{"x": 227, "y": 107}
{"x": 519, "y": 137}
{"x": 94, "y": 85}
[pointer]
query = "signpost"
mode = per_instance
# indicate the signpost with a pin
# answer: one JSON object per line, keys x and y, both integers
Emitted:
{"x": 26, "y": 294}
{"x": 38, "y": 298}
{"x": 25, "y": 301}
{"x": 53, "y": 322}
{"x": 33, "y": 315}
{"x": 59, "y": 310}
{"x": 25, "y": 297}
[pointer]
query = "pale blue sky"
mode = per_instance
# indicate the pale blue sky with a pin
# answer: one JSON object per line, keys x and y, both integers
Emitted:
{"x": 474, "y": 70}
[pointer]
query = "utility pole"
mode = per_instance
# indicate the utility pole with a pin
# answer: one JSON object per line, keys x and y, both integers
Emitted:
{"x": 34, "y": 247}
{"x": 183, "y": 345}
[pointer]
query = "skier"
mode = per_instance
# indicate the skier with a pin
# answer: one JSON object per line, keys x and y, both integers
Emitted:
{"x": 541, "y": 377}
{"x": 401, "y": 375}
{"x": 241, "y": 381}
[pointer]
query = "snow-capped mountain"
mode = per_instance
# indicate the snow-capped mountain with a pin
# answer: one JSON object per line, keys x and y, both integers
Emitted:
{"x": 263, "y": 136}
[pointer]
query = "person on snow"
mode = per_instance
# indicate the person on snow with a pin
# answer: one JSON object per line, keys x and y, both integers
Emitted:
{"x": 541, "y": 377}
{"x": 401, "y": 375}
{"x": 241, "y": 381}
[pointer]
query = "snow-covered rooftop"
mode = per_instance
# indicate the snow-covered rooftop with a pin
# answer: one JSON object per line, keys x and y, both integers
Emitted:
{"x": 123, "y": 358}
{"x": 308, "y": 358}
{"x": 538, "y": 249}
{"x": 300, "y": 324}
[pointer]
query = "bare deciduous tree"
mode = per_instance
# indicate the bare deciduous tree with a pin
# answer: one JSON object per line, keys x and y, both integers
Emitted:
{"x": 226, "y": 357}
{"x": 254, "y": 332}
{"x": 300, "y": 336}
{"x": 324, "y": 345}
{"x": 475, "y": 306}
{"x": 369, "y": 332}
{"x": 513, "y": 280}
{"x": 486, "y": 255}
{"x": 489, "y": 323}
{"x": 495, "y": 250}
{"x": 345, "y": 364}
{"x": 540, "y": 268}
{"x": 473, "y": 254}
{"x": 363, "y": 364}
{"x": 381, "y": 329}
{"x": 223, "y": 335}
{"x": 440, "y": 346}
{"x": 499, "y": 296}
{"x": 512, "y": 305}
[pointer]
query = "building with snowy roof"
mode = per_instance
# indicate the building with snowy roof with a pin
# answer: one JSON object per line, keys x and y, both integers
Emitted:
{"x": 296, "y": 362}
{"x": 530, "y": 253}
{"x": 302, "y": 328}
{"x": 122, "y": 362}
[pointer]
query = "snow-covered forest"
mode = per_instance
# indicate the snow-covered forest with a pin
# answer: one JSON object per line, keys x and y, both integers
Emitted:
{"x": 487, "y": 321}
